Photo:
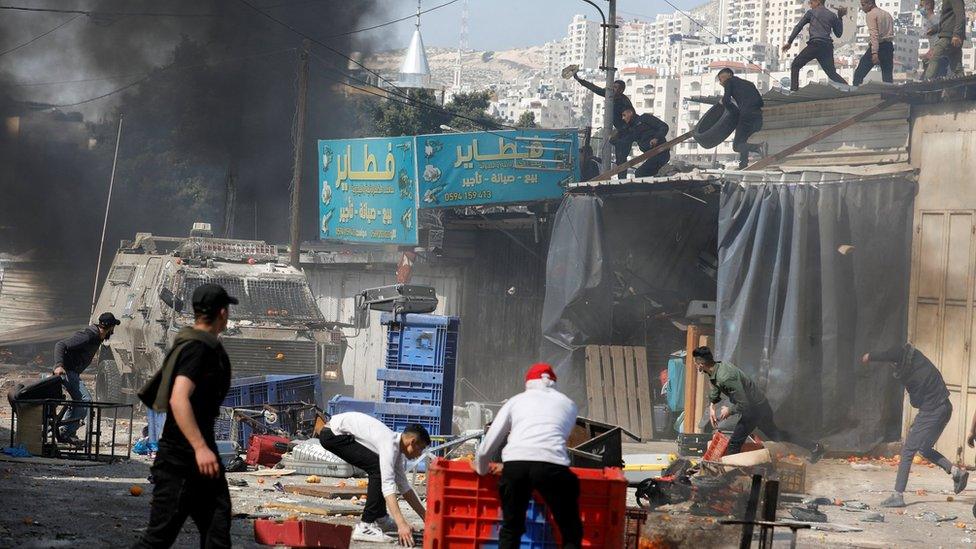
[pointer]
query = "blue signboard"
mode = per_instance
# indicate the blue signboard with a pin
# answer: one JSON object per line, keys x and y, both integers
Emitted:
{"x": 368, "y": 190}
{"x": 471, "y": 169}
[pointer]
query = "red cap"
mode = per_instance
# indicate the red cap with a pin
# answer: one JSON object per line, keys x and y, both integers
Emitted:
{"x": 538, "y": 370}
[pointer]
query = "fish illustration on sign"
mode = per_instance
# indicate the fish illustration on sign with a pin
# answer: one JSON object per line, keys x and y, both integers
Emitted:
{"x": 405, "y": 184}
{"x": 432, "y": 195}
{"x": 431, "y": 173}
{"x": 407, "y": 218}
{"x": 326, "y": 158}
{"x": 326, "y": 192}
{"x": 432, "y": 147}
{"x": 326, "y": 218}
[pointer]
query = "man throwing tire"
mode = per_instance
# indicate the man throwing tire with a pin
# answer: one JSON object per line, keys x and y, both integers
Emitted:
{"x": 743, "y": 95}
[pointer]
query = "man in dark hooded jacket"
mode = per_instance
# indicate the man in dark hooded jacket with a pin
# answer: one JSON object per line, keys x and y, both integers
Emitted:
{"x": 928, "y": 393}
{"x": 187, "y": 474}
{"x": 648, "y": 131}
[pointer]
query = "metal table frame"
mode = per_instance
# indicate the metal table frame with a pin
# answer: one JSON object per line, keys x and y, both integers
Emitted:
{"x": 52, "y": 418}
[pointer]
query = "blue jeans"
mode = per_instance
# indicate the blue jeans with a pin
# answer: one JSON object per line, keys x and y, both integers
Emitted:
{"x": 78, "y": 392}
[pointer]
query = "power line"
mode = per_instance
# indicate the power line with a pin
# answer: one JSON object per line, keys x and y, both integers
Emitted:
{"x": 112, "y": 13}
{"x": 38, "y": 37}
{"x": 411, "y": 16}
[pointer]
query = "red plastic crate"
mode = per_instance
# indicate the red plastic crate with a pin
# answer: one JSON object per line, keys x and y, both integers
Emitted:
{"x": 266, "y": 450}
{"x": 464, "y": 512}
{"x": 720, "y": 443}
{"x": 302, "y": 533}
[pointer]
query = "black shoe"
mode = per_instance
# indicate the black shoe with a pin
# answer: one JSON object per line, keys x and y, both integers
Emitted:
{"x": 817, "y": 452}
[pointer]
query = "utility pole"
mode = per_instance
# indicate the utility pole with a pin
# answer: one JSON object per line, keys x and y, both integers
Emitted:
{"x": 298, "y": 140}
{"x": 610, "y": 40}
{"x": 108, "y": 204}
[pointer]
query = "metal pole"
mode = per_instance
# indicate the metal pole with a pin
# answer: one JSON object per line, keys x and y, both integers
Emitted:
{"x": 298, "y": 135}
{"x": 108, "y": 203}
{"x": 611, "y": 46}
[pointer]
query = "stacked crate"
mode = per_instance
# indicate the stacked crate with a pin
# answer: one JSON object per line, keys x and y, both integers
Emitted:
{"x": 418, "y": 380}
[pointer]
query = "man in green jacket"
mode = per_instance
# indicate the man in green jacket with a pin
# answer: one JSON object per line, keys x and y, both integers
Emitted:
{"x": 748, "y": 401}
{"x": 951, "y": 35}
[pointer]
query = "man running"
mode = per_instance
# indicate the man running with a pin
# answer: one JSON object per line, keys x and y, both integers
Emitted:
{"x": 928, "y": 393}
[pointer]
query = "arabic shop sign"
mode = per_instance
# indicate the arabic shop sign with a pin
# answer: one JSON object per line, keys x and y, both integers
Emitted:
{"x": 368, "y": 190}
{"x": 470, "y": 169}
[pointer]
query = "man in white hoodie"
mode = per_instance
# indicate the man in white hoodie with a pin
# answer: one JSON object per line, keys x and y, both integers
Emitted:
{"x": 536, "y": 424}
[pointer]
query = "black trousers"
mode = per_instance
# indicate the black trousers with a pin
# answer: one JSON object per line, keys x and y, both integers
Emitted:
{"x": 653, "y": 164}
{"x": 621, "y": 151}
{"x": 355, "y": 454}
{"x": 180, "y": 492}
{"x": 886, "y": 60}
{"x": 558, "y": 487}
{"x": 748, "y": 124}
{"x": 823, "y": 52}
{"x": 760, "y": 417}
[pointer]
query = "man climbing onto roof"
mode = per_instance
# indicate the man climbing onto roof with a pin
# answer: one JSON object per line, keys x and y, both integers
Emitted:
{"x": 743, "y": 95}
{"x": 648, "y": 131}
{"x": 820, "y": 45}
{"x": 620, "y": 103}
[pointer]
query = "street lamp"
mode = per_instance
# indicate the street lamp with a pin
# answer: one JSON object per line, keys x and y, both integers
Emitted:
{"x": 609, "y": 56}
{"x": 447, "y": 128}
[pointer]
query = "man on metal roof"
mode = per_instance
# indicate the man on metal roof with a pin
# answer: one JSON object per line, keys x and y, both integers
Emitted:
{"x": 820, "y": 45}
{"x": 951, "y": 35}
{"x": 881, "y": 49}
{"x": 743, "y": 95}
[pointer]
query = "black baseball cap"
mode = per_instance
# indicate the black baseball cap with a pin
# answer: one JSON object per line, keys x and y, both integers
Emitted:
{"x": 108, "y": 319}
{"x": 210, "y": 298}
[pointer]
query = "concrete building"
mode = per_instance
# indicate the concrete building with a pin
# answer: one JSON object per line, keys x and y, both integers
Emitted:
{"x": 696, "y": 59}
{"x": 649, "y": 93}
{"x": 584, "y": 43}
{"x": 554, "y": 56}
{"x": 551, "y": 110}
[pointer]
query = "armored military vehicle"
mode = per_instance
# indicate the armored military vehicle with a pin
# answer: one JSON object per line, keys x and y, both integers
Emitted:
{"x": 276, "y": 329}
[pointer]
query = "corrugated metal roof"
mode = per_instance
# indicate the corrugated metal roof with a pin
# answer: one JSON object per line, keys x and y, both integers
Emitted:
{"x": 831, "y": 90}
{"x": 793, "y": 174}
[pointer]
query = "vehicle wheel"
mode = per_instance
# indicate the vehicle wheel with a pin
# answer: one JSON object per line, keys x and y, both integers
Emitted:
{"x": 716, "y": 126}
{"x": 108, "y": 382}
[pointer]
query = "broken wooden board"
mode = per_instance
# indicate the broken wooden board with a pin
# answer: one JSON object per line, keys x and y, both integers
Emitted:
{"x": 328, "y": 492}
{"x": 326, "y": 511}
{"x": 642, "y": 157}
{"x": 618, "y": 388}
{"x": 271, "y": 472}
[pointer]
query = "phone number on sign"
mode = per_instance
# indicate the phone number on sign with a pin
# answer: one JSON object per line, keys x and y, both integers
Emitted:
{"x": 468, "y": 195}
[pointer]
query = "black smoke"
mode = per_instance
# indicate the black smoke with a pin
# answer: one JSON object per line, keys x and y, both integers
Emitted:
{"x": 208, "y": 114}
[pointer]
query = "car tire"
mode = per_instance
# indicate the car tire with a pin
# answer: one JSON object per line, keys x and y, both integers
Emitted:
{"x": 716, "y": 126}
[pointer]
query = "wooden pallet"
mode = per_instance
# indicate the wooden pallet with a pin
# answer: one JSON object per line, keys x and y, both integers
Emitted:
{"x": 618, "y": 388}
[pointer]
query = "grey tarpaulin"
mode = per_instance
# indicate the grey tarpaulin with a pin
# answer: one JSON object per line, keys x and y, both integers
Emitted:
{"x": 797, "y": 307}
{"x": 578, "y": 300}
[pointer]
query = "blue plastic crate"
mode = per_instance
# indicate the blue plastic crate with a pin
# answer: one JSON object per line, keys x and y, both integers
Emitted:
{"x": 410, "y": 387}
{"x": 398, "y": 423}
{"x": 341, "y": 404}
{"x": 274, "y": 389}
{"x": 538, "y": 532}
{"x": 395, "y": 409}
{"x": 421, "y": 342}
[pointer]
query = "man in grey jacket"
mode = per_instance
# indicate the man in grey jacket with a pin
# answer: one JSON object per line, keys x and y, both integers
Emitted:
{"x": 72, "y": 356}
{"x": 820, "y": 45}
{"x": 950, "y": 36}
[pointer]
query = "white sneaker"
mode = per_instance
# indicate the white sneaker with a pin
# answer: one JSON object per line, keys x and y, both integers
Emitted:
{"x": 369, "y": 532}
{"x": 387, "y": 524}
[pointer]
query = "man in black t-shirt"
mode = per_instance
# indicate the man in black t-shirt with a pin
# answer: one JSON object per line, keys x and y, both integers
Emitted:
{"x": 187, "y": 474}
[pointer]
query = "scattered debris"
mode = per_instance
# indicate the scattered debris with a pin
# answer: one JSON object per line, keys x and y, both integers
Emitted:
{"x": 873, "y": 517}
{"x": 237, "y": 482}
{"x": 313, "y": 479}
{"x": 808, "y": 513}
{"x": 854, "y": 505}
{"x": 327, "y": 492}
{"x": 135, "y": 490}
{"x": 930, "y": 516}
{"x": 815, "y": 501}
{"x": 272, "y": 472}
{"x": 866, "y": 467}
